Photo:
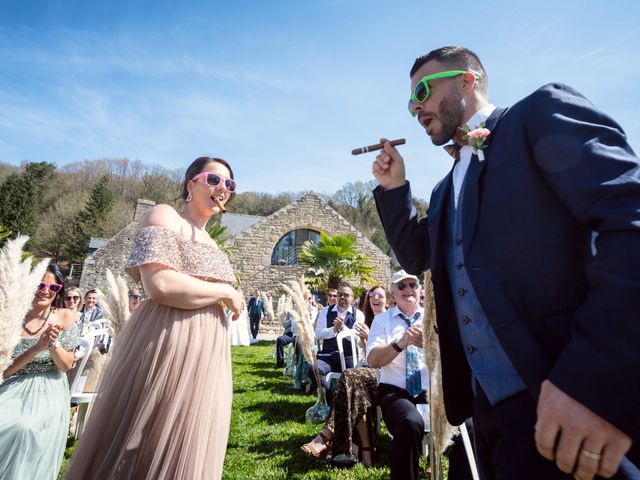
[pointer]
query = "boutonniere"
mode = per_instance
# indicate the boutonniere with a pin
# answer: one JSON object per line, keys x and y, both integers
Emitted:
{"x": 475, "y": 139}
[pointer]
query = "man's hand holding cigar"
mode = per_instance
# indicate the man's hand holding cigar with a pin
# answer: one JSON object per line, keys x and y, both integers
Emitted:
{"x": 388, "y": 167}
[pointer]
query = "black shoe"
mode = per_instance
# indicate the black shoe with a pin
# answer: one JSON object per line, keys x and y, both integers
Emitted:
{"x": 279, "y": 365}
{"x": 343, "y": 461}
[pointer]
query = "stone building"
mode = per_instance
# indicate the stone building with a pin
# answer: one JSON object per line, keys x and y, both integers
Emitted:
{"x": 113, "y": 253}
{"x": 265, "y": 249}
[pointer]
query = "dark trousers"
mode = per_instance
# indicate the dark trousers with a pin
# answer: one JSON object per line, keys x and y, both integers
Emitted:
{"x": 505, "y": 444}
{"x": 406, "y": 425}
{"x": 327, "y": 363}
{"x": 458, "y": 461}
{"x": 254, "y": 323}
{"x": 282, "y": 340}
{"x": 504, "y": 440}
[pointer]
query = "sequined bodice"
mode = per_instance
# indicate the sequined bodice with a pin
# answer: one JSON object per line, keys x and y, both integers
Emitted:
{"x": 154, "y": 244}
{"x": 42, "y": 362}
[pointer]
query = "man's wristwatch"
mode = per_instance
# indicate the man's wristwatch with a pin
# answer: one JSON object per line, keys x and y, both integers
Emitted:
{"x": 396, "y": 347}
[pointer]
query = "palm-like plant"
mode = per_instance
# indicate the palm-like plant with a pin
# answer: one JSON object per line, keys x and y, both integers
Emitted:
{"x": 219, "y": 235}
{"x": 334, "y": 259}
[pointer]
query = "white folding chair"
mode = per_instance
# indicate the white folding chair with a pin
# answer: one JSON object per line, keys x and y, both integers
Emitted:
{"x": 289, "y": 369}
{"x": 343, "y": 335}
{"x": 77, "y": 395}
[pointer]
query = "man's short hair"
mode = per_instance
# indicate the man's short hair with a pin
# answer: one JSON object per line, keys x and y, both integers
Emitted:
{"x": 456, "y": 58}
{"x": 345, "y": 285}
{"x": 93, "y": 290}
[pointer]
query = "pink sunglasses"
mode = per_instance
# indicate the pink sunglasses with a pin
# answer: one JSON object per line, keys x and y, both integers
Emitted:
{"x": 53, "y": 287}
{"x": 214, "y": 179}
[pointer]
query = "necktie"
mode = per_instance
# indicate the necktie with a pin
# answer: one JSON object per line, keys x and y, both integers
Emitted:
{"x": 414, "y": 383}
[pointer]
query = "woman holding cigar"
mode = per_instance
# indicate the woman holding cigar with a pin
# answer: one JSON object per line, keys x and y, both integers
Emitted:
{"x": 164, "y": 404}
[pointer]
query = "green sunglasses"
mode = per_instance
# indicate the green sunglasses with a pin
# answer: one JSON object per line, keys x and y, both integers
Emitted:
{"x": 422, "y": 90}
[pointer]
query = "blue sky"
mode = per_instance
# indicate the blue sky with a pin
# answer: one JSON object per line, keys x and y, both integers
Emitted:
{"x": 284, "y": 90}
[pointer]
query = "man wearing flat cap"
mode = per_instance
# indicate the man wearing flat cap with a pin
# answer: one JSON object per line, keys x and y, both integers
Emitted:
{"x": 395, "y": 347}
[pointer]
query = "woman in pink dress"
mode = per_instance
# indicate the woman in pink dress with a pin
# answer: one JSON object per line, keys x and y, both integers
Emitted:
{"x": 164, "y": 404}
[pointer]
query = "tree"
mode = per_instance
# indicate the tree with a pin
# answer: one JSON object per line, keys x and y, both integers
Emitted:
{"x": 20, "y": 196}
{"x": 56, "y": 225}
{"x": 90, "y": 221}
{"x": 334, "y": 259}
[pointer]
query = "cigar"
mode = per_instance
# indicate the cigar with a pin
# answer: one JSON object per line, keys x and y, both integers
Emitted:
{"x": 377, "y": 146}
{"x": 219, "y": 204}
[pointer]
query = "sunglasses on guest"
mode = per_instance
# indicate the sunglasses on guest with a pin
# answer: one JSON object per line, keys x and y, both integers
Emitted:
{"x": 135, "y": 297}
{"x": 422, "y": 91}
{"x": 53, "y": 287}
{"x": 343, "y": 295}
{"x": 412, "y": 285}
{"x": 214, "y": 179}
{"x": 74, "y": 298}
{"x": 377, "y": 295}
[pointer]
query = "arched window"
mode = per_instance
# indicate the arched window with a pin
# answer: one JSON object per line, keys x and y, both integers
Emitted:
{"x": 289, "y": 246}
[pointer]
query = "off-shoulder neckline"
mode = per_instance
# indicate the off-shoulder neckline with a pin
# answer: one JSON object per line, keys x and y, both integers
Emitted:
{"x": 214, "y": 245}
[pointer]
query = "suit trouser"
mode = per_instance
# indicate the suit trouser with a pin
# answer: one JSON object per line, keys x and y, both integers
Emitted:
{"x": 327, "y": 363}
{"x": 505, "y": 442}
{"x": 406, "y": 425}
{"x": 280, "y": 344}
{"x": 458, "y": 460}
{"x": 254, "y": 323}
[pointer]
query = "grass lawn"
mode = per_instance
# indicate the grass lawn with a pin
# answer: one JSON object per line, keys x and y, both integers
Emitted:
{"x": 268, "y": 427}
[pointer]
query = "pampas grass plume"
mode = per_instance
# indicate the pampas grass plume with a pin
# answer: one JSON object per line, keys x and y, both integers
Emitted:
{"x": 268, "y": 303}
{"x": 442, "y": 432}
{"x": 115, "y": 303}
{"x": 300, "y": 313}
{"x": 18, "y": 284}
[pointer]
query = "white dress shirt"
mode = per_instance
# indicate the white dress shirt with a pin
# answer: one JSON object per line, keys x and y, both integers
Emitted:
{"x": 461, "y": 167}
{"x": 323, "y": 332}
{"x": 386, "y": 327}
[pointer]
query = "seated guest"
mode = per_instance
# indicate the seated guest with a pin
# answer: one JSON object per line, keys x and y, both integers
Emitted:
{"x": 73, "y": 300}
{"x": 395, "y": 347}
{"x": 285, "y": 339}
{"x": 355, "y": 394}
{"x": 332, "y": 299}
{"x": 91, "y": 311}
{"x": 331, "y": 321}
{"x": 34, "y": 398}
{"x": 92, "y": 317}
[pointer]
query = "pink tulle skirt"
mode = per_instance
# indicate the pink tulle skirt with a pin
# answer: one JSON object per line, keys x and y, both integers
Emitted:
{"x": 164, "y": 403}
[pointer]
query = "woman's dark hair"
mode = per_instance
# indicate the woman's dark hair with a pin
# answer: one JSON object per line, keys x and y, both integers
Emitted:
{"x": 368, "y": 311}
{"x": 59, "y": 298}
{"x": 196, "y": 167}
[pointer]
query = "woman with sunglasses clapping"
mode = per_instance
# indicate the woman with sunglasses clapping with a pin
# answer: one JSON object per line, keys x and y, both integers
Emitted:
{"x": 164, "y": 403}
{"x": 34, "y": 398}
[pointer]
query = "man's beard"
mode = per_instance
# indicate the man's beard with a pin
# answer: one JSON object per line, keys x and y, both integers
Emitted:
{"x": 451, "y": 113}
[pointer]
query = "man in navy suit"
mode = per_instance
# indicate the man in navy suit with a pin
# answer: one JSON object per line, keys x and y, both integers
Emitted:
{"x": 533, "y": 241}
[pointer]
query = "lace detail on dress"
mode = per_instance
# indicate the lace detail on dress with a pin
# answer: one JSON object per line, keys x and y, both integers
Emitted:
{"x": 42, "y": 362}
{"x": 154, "y": 244}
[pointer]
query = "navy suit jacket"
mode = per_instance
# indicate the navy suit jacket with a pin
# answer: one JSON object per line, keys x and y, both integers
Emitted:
{"x": 556, "y": 170}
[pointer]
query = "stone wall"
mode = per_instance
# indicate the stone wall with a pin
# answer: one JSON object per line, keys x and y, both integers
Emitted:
{"x": 114, "y": 254}
{"x": 254, "y": 246}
